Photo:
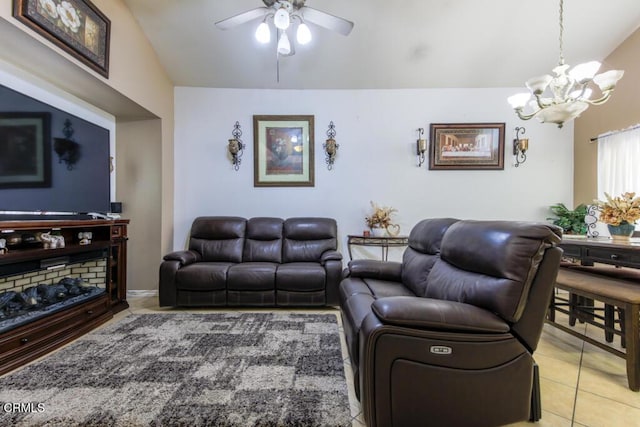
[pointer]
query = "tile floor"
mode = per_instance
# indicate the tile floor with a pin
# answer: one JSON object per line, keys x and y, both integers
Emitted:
{"x": 582, "y": 385}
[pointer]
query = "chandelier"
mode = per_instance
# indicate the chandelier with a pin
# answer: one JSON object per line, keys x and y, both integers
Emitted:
{"x": 566, "y": 95}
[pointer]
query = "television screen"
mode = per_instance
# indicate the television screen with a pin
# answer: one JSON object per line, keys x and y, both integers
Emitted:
{"x": 50, "y": 160}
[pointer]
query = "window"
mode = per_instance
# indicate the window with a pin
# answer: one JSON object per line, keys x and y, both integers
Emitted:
{"x": 618, "y": 160}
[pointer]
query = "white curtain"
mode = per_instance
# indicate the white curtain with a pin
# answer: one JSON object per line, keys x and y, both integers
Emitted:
{"x": 619, "y": 162}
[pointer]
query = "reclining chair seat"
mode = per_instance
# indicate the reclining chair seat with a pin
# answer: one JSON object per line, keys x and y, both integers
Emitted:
{"x": 447, "y": 336}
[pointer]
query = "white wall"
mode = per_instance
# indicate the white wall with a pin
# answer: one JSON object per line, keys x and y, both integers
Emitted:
{"x": 376, "y": 130}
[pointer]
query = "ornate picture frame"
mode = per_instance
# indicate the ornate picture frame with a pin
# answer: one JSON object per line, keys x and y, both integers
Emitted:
{"x": 25, "y": 150}
{"x": 466, "y": 146}
{"x": 76, "y": 26}
{"x": 283, "y": 151}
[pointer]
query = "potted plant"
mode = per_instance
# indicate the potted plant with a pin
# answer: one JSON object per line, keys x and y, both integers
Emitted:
{"x": 380, "y": 219}
{"x": 620, "y": 214}
{"x": 571, "y": 221}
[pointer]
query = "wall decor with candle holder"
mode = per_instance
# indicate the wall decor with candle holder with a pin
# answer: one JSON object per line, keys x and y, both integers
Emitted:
{"x": 330, "y": 146}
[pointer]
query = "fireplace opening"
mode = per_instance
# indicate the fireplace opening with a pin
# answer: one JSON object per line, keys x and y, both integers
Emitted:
{"x": 30, "y": 296}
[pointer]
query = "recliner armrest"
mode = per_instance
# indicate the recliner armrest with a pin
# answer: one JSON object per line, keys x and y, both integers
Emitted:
{"x": 185, "y": 257}
{"x": 433, "y": 314}
{"x": 374, "y": 269}
{"x": 330, "y": 256}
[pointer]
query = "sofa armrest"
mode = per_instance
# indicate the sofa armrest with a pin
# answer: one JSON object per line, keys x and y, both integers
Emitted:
{"x": 184, "y": 257}
{"x": 374, "y": 269}
{"x": 330, "y": 256}
{"x": 432, "y": 314}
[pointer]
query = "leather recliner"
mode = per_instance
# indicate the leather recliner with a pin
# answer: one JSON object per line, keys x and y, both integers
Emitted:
{"x": 265, "y": 262}
{"x": 447, "y": 336}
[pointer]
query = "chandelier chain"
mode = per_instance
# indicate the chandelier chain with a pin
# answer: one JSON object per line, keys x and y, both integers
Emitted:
{"x": 561, "y": 31}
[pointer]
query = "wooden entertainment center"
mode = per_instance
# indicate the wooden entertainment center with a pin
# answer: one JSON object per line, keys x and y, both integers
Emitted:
{"x": 27, "y": 256}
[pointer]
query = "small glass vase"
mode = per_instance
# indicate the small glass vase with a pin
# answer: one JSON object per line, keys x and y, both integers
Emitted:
{"x": 621, "y": 232}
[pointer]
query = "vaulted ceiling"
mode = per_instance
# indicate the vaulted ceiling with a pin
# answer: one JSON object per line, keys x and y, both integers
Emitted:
{"x": 400, "y": 44}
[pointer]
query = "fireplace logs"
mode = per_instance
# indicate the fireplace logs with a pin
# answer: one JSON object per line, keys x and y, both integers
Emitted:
{"x": 32, "y": 299}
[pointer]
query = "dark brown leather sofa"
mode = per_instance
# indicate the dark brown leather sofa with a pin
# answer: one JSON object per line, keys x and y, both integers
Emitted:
{"x": 233, "y": 261}
{"x": 447, "y": 336}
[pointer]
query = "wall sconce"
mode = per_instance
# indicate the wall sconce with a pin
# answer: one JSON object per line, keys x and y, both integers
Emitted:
{"x": 67, "y": 149}
{"x": 330, "y": 146}
{"x": 421, "y": 147}
{"x": 520, "y": 147}
{"x": 236, "y": 147}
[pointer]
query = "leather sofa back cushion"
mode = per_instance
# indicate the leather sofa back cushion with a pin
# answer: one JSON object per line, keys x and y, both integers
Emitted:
{"x": 490, "y": 264}
{"x": 424, "y": 246}
{"x": 263, "y": 241}
{"x": 305, "y": 239}
{"x": 218, "y": 238}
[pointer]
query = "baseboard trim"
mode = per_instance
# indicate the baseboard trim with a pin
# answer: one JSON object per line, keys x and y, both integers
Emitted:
{"x": 141, "y": 293}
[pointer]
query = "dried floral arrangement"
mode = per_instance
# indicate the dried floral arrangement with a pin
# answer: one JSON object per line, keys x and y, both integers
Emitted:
{"x": 624, "y": 209}
{"x": 381, "y": 216}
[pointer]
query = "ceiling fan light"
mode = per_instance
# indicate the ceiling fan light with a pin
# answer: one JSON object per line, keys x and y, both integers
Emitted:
{"x": 263, "y": 35}
{"x": 281, "y": 19}
{"x": 583, "y": 73}
{"x": 284, "y": 46}
{"x": 304, "y": 34}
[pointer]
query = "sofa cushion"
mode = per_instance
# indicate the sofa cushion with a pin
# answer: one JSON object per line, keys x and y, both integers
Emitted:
{"x": 252, "y": 276}
{"x": 205, "y": 276}
{"x": 218, "y": 238}
{"x": 301, "y": 277}
{"x": 424, "y": 246}
{"x": 490, "y": 264}
{"x": 306, "y": 239}
{"x": 263, "y": 241}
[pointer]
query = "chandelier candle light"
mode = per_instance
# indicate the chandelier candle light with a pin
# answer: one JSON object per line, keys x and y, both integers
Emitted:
{"x": 566, "y": 95}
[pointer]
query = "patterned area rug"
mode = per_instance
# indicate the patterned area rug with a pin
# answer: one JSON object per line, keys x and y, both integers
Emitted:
{"x": 221, "y": 369}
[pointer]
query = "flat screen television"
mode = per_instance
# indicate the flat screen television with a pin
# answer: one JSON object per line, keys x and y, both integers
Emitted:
{"x": 50, "y": 160}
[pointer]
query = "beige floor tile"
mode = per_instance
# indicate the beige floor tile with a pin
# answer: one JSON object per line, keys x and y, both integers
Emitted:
{"x": 557, "y": 398}
{"x": 358, "y": 421}
{"x": 605, "y": 375}
{"x": 559, "y": 345}
{"x": 548, "y": 420}
{"x": 559, "y": 370}
{"x": 596, "y": 411}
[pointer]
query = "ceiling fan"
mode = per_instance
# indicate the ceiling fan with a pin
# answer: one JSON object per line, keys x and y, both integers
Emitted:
{"x": 283, "y": 13}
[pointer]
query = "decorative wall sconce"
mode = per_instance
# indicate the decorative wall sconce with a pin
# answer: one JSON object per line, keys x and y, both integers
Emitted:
{"x": 67, "y": 149}
{"x": 421, "y": 147}
{"x": 330, "y": 146}
{"x": 236, "y": 146}
{"x": 520, "y": 147}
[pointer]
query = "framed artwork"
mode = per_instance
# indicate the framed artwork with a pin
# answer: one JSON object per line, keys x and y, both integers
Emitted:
{"x": 283, "y": 151}
{"x": 467, "y": 146}
{"x": 76, "y": 26}
{"x": 25, "y": 150}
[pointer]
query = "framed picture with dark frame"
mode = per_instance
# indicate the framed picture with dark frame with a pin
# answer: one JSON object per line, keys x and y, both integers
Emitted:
{"x": 25, "y": 150}
{"x": 76, "y": 26}
{"x": 466, "y": 146}
{"x": 283, "y": 151}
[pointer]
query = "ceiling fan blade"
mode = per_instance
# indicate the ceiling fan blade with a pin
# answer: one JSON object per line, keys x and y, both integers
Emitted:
{"x": 241, "y": 18}
{"x": 326, "y": 20}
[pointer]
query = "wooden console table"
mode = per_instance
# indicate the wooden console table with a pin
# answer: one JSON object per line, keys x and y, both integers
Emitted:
{"x": 28, "y": 341}
{"x": 604, "y": 250}
{"x": 604, "y": 284}
{"x": 384, "y": 243}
